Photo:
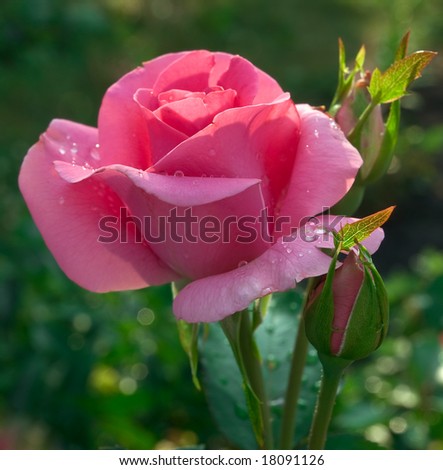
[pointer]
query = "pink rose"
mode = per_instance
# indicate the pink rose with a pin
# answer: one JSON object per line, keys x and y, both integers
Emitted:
{"x": 213, "y": 141}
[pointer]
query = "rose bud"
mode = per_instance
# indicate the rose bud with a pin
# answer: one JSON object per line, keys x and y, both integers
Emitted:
{"x": 347, "y": 313}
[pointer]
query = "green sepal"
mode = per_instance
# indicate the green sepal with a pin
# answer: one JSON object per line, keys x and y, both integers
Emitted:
{"x": 234, "y": 329}
{"x": 368, "y": 322}
{"x": 188, "y": 334}
{"x": 259, "y": 310}
{"x": 389, "y": 142}
{"x": 345, "y": 76}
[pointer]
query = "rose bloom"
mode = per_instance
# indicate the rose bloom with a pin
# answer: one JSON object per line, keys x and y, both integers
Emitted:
{"x": 208, "y": 133}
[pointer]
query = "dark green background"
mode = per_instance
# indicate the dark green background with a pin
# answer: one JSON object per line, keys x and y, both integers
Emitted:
{"x": 80, "y": 370}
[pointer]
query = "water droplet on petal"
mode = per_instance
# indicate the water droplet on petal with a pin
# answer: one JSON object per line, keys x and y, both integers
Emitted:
{"x": 179, "y": 173}
{"x": 288, "y": 250}
{"x": 95, "y": 154}
{"x": 333, "y": 124}
{"x": 61, "y": 200}
{"x": 61, "y": 151}
{"x": 316, "y": 133}
{"x": 266, "y": 291}
{"x": 140, "y": 173}
{"x": 300, "y": 255}
{"x": 242, "y": 263}
{"x": 211, "y": 152}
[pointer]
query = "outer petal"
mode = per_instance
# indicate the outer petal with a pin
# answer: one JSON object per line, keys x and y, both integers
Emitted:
{"x": 278, "y": 269}
{"x": 123, "y": 138}
{"x": 68, "y": 217}
{"x": 169, "y": 211}
{"x": 324, "y": 169}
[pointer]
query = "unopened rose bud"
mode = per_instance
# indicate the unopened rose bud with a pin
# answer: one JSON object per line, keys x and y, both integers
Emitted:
{"x": 347, "y": 313}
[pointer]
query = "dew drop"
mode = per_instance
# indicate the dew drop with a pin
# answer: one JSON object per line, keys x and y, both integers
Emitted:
{"x": 266, "y": 291}
{"x": 333, "y": 124}
{"x": 316, "y": 133}
{"x": 211, "y": 153}
{"x": 179, "y": 173}
{"x": 300, "y": 255}
{"x": 61, "y": 200}
{"x": 307, "y": 146}
{"x": 95, "y": 154}
{"x": 288, "y": 250}
{"x": 140, "y": 173}
{"x": 62, "y": 151}
{"x": 242, "y": 263}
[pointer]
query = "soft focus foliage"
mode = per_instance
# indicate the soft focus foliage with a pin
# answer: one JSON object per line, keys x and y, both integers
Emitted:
{"x": 79, "y": 370}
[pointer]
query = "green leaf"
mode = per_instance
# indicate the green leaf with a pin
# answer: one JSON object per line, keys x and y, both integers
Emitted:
{"x": 403, "y": 47}
{"x": 401, "y": 74}
{"x": 222, "y": 380}
{"x": 360, "y": 59}
{"x": 188, "y": 334}
{"x": 356, "y": 232}
{"x": 375, "y": 85}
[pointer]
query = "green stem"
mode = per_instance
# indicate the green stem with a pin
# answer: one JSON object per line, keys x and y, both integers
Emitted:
{"x": 325, "y": 403}
{"x": 252, "y": 365}
{"x": 354, "y": 135}
{"x": 294, "y": 387}
{"x": 295, "y": 379}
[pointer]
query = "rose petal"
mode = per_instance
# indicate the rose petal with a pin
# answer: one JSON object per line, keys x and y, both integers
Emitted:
{"x": 241, "y": 76}
{"x": 68, "y": 217}
{"x": 160, "y": 138}
{"x": 193, "y": 113}
{"x": 176, "y": 190}
{"x": 121, "y": 123}
{"x": 284, "y": 264}
{"x": 325, "y": 167}
{"x": 267, "y": 89}
{"x": 175, "y": 207}
{"x": 251, "y": 142}
{"x": 189, "y": 72}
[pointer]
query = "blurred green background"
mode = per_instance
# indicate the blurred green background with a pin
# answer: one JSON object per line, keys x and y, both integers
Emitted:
{"x": 85, "y": 371}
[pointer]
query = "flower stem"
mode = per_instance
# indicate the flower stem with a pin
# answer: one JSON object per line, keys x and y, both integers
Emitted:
{"x": 294, "y": 387}
{"x": 295, "y": 379}
{"x": 332, "y": 372}
{"x": 252, "y": 365}
{"x": 240, "y": 334}
{"x": 354, "y": 135}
